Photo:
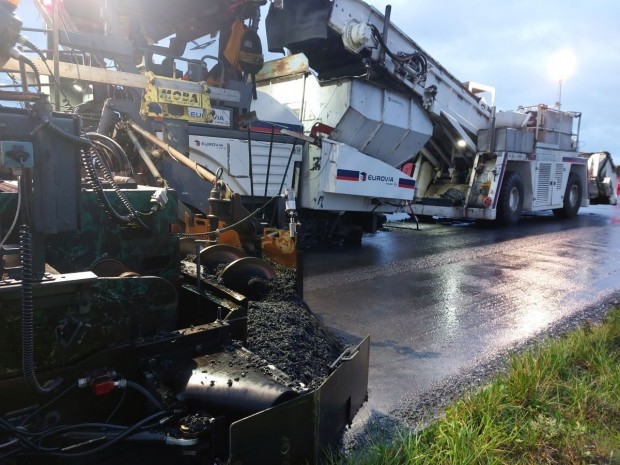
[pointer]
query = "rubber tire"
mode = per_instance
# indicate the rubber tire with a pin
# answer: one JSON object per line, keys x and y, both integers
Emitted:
{"x": 571, "y": 204}
{"x": 508, "y": 215}
{"x": 353, "y": 237}
{"x": 427, "y": 219}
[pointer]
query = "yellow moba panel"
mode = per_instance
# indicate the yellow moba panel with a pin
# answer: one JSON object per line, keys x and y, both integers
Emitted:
{"x": 176, "y": 99}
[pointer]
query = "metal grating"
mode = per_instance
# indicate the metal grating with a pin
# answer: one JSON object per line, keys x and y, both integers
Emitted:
{"x": 559, "y": 174}
{"x": 544, "y": 182}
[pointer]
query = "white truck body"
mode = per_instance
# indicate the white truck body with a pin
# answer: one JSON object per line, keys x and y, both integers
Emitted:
{"x": 540, "y": 145}
{"x": 402, "y": 107}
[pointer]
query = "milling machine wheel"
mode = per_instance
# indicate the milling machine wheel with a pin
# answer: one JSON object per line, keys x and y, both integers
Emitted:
{"x": 213, "y": 256}
{"x": 244, "y": 276}
{"x": 510, "y": 204}
{"x": 572, "y": 198}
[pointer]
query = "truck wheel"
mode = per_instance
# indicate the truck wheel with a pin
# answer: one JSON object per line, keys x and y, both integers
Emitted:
{"x": 354, "y": 237}
{"x": 572, "y": 198}
{"x": 428, "y": 219}
{"x": 510, "y": 204}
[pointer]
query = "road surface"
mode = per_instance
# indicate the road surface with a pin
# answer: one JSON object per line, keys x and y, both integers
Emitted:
{"x": 440, "y": 301}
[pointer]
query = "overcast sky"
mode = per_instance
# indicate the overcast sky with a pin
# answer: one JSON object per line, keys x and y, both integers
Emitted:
{"x": 509, "y": 45}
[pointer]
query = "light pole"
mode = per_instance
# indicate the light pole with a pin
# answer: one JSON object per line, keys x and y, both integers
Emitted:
{"x": 561, "y": 66}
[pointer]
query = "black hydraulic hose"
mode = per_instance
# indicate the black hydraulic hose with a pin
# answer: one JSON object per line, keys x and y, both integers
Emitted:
{"x": 39, "y": 52}
{"x": 28, "y": 446}
{"x": 128, "y": 431}
{"x": 90, "y": 164}
{"x": 88, "y": 161}
{"x": 133, "y": 213}
{"x": 48, "y": 125}
{"x": 114, "y": 147}
{"x": 92, "y": 180}
{"x": 50, "y": 402}
{"x": 37, "y": 77}
{"x": 34, "y": 48}
{"x": 25, "y": 248}
{"x": 222, "y": 70}
{"x": 109, "y": 157}
{"x": 417, "y": 56}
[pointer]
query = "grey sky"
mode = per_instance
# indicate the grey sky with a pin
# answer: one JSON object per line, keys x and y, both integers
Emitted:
{"x": 508, "y": 45}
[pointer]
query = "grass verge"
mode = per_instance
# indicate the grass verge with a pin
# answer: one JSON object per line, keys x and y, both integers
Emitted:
{"x": 557, "y": 404}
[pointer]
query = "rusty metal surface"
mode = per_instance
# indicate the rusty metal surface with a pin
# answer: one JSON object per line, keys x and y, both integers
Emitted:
{"x": 280, "y": 248}
{"x": 282, "y": 67}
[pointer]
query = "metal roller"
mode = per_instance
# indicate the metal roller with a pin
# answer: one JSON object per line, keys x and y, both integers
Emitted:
{"x": 227, "y": 383}
{"x": 237, "y": 275}
{"x": 213, "y": 256}
{"x": 108, "y": 268}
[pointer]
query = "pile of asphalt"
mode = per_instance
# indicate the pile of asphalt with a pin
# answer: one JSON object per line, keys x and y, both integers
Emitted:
{"x": 283, "y": 331}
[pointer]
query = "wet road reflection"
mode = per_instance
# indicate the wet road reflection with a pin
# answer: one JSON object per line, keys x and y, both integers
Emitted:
{"x": 446, "y": 298}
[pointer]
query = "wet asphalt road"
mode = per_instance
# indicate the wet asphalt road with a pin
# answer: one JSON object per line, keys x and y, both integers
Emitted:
{"x": 440, "y": 301}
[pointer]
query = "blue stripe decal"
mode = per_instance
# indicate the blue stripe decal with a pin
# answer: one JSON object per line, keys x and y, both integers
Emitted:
{"x": 348, "y": 175}
{"x": 407, "y": 183}
{"x": 574, "y": 160}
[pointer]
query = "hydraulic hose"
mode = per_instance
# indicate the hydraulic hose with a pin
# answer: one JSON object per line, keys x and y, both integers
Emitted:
{"x": 37, "y": 77}
{"x": 38, "y": 51}
{"x": 142, "y": 390}
{"x": 88, "y": 162}
{"x": 92, "y": 160}
{"x": 418, "y": 57}
{"x": 25, "y": 248}
{"x": 133, "y": 213}
{"x": 118, "y": 151}
{"x": 48, "y": 125}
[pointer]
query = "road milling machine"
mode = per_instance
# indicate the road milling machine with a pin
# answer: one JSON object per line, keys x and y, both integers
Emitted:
{"x": 130, "y": 336}
{"x": 383, "y": 102}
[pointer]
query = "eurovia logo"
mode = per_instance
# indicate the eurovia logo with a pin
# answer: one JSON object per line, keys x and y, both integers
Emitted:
{"x": 357, "y": 176}
{"x": 375, "y": 177}
{"x": 213, "y": 145}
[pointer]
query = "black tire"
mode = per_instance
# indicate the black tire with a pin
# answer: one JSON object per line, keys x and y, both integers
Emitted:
{"x": 572, "y": 198}
{"x": 353, "y": 238}
{"x": 427, "y": 219}
{"x": 510, "y": 204}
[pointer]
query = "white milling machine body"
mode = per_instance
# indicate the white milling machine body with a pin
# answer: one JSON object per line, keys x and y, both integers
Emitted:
{"x": 381, "y": 101}
{"x": 375, "y": 95}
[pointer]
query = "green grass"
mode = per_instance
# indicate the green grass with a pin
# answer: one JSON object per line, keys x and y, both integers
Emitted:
{"x": 557, "y": 404}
